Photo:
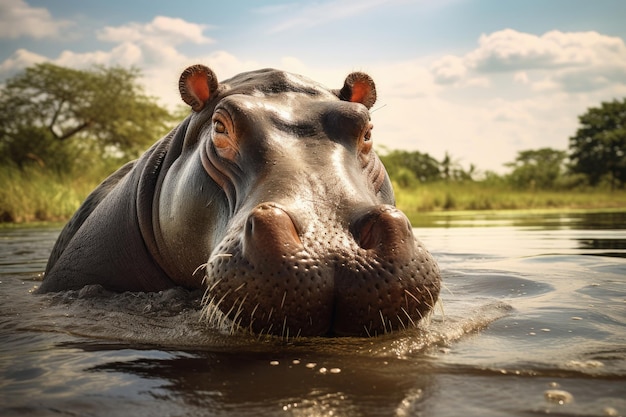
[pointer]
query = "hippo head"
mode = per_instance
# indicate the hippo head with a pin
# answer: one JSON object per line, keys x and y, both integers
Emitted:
{"x": 309, "y": 241}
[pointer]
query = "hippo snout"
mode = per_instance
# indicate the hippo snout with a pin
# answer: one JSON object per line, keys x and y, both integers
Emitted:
{"x": 363, "y": 276}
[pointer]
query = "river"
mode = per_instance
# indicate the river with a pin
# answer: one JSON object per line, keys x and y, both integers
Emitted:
{"x": 532, "y": 321}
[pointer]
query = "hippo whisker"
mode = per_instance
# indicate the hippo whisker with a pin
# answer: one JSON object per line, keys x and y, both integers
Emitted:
{"x": 407, "y": 292}
{"x": 235, "y": 323}
{"x": 201, "y": 266}
{"x": 382, "y": 319}
{"x": 367, "y": 331}
{"x": 401, "y": 322}
{"x": 220, "y": 255}
{"x": 240, "y": 309}
{"x": 406, "y": 313}
{"x": 432, "y": 299}
{"x": 207, "y": 291}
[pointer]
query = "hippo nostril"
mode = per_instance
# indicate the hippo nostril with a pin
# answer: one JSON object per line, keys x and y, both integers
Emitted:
{"x": 384, "y": 229}
{"x": 269, "y": 233}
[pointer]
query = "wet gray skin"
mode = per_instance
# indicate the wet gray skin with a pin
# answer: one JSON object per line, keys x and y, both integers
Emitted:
{"x": 270, "y": 196}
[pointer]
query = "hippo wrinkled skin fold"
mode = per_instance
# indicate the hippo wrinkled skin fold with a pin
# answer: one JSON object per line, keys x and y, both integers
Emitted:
{"x": 269, "y": 196}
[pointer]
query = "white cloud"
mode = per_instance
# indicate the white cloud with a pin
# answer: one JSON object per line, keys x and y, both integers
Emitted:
{"x": 574, "y": 61}
{"x": 449, "y": 69}
{"x": 18, "y": 19}
{"x": 19, "y": 60}
{"x": 167, "y": 30}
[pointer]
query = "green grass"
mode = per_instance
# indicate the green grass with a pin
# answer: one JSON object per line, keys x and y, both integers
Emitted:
{"x": 473, "y": 196}
{"x": 40, "y": 195}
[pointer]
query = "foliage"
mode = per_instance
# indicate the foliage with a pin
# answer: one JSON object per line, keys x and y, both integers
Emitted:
{"x": 55, "y": 116}
{"x": 411, "y": 166}
{"x": 481, "y": 195}
{"x": 540, "y": 168}
{"x": 599, "y": 147}
{"x": 451, "y": 170}
{"x": 37, "y": 194}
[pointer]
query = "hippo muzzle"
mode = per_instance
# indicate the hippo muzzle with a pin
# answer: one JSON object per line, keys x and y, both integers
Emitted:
{"x": 270, "y": 197}
{"x": 365, "y": 276}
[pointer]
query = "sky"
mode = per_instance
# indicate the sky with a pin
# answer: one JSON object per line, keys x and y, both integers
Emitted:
{"x": 479, "y": 79}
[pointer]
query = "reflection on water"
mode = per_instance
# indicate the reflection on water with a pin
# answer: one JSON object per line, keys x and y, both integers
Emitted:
{"x": 606, "y": 220}
{"x": 534, "y": 306}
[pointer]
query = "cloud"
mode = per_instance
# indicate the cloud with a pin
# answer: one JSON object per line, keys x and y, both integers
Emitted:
{"x": 18, "y": 19}
{"x": 168, "y": 30}
{"x": 509, "y": 50}
{"x": 449, "y": 69}
{"x": 570, "y": 61}
{"x": 19, "y": 60}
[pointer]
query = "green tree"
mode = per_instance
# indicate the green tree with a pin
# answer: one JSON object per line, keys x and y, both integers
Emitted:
{"x": 51, "y": 115}
{"x": 451, "y": 169}
{"x": 421, "y": 165}
{"x": 540, "y": 168}
{"x": 598, "y": 150}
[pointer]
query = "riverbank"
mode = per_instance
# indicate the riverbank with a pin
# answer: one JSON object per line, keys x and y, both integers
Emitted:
{"x": 449, "y": 197}
{"x": 37, "y": 195}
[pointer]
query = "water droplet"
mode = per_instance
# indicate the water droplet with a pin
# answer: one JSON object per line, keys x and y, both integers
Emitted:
{"x": 558, "y": 396}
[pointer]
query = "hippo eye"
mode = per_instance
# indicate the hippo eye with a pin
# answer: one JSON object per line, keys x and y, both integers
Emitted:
{"x": 219, "y": 127}
{"x": 368, "y": 135}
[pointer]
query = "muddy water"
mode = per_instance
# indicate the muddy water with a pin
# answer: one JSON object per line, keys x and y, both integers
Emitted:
{"x": 532, "y": 321}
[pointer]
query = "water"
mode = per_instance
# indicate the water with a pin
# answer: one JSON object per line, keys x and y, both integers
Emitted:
{"x": 532, "y": 322}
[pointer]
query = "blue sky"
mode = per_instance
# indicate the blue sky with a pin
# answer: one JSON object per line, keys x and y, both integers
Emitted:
{"x": 480, "y": 79}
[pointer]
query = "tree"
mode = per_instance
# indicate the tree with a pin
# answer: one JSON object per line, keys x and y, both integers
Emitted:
{"x": 598, "y": 149}
{"x": 51, "y": 114}
{"x": 452, "y": 169}
{"x": 423, "y": 166}
{"x": 538, "y": 168}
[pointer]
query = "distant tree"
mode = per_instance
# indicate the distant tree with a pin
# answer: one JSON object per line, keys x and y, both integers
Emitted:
{"x": 540, "y": 168}
{"x": 451, "y": 169}
{"x": 598, "y": 149}
{"x": 51, "y": 114}
{"x": 421, "y": 165}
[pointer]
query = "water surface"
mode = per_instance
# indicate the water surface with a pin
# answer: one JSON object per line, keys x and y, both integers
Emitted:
{"x": 532, "y": 321}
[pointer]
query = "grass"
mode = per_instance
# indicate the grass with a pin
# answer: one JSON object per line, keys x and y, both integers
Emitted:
{"x": 477, "y": 196}
{"x": 39, "y": 195}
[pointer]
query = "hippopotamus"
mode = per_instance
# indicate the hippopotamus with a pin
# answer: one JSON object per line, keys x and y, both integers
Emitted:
{"x": 270, "y": 197}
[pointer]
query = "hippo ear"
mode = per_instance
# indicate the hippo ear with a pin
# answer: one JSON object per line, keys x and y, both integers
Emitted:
{"x": 196, "y": 85}
{"x": 359, "y": 88}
